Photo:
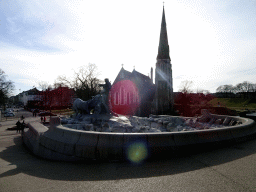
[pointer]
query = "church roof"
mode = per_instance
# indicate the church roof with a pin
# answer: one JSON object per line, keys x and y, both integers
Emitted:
{"x": 140, "y": 75}
{"x": 143, "y": 83}
{"x": 163, "y": 48}
{"x": 123, "y": 74}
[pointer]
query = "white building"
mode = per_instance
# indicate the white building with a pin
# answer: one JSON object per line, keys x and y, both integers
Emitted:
{"x": 30, "y": 95}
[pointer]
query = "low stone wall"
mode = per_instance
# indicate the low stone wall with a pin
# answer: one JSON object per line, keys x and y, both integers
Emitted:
{"x": 31, "y": 136}
{"x": 60, "y": 143}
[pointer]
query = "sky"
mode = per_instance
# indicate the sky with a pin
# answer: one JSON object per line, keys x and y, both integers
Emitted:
{"x": 212, "y": 43}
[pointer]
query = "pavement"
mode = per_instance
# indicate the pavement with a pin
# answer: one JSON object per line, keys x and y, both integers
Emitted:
{"x": 230, "y": 168}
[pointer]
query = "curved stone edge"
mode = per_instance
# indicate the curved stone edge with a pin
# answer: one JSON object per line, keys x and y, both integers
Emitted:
{"x": 34, "y": 139}
{"x": 60, "y": 143}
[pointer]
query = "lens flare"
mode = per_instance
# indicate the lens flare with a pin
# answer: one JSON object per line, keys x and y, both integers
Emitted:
{"x": 124, "y": 98}
{"x": 137, "y": 152}
{"x": 164, "y": 77}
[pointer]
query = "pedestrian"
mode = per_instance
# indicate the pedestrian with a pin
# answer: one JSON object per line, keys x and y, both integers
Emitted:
{"x": 44, "y": 119}
{"x": 41, "y": 119}
{"x": 18, "y": 126}
{"x": 23, "y": 125}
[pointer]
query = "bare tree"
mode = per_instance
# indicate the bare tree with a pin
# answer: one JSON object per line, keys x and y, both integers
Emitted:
{"x": 43, "y": 85}
{"x": 185, "y": 87}
{"x": 64, "y": 81}
{"x": 57, "y": 84}
{"x": 226, "y": 90}
{"x": 253, "y": 87}
{"x": 244, "y": 88}
{"x": 6, "y": 88}
{"x": 205, "y": 92}
{"x": 85, "y": 82}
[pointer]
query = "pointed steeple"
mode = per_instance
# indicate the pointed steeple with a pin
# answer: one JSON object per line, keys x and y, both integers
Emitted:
{"x": 163, "y": 48}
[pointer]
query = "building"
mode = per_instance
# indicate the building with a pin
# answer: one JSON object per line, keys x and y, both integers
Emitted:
{"x": 133, "y": 93}
{"x": 29, "y": 97}
{"x": 62, "y": 97}
{"x": 59, "y": 98}
{"x": 163, "y": 74}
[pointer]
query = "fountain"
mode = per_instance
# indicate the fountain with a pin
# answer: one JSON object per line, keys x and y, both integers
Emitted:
{"x": 104, "y": 135}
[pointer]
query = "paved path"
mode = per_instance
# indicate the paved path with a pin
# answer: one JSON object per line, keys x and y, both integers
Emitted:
{"x": 227, "y": 169}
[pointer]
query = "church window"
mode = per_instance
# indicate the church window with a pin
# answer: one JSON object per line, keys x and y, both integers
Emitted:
{"x": 122, "y": 96}
{"x": 131, "y": 98}
{"x": 116, "y": 98}
{"x": 134, "y": 97}
{"x": 128, "y": 98}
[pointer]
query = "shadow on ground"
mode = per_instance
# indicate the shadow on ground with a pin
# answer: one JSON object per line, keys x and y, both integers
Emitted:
{"x": 17, "y": 154}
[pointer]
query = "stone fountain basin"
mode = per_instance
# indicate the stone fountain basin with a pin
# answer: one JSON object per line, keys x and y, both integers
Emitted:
{"x": 60, "y": 143}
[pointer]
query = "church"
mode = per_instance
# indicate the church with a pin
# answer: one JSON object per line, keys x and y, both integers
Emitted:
{"x": 133, "y": 93}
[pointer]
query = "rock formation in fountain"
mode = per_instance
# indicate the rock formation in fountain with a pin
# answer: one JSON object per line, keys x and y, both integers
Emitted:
{"x": 154, "y": 123}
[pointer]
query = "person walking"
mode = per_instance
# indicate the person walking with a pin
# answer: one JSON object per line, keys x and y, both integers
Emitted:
{"x": 23, "y": 125}
{"x": 18, "y": 126}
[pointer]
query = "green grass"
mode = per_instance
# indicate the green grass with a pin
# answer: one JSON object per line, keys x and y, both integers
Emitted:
{"x": 63, "y": 111}
{"x": 238, "y": 104}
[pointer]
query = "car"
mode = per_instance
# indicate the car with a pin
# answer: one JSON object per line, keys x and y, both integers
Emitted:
{"x": 36, "y": 111}
{"x": 46, "y": 113}
{"x": 8, "y": 111}
{"x": 9, "y": 114}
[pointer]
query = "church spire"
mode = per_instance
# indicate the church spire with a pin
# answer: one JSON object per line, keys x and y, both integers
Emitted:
{"x": 163, "y": 48}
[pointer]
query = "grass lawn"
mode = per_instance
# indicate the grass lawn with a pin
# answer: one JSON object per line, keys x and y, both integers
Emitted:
{"x": 238, "y": 104}
{"x": 63, "y": 111}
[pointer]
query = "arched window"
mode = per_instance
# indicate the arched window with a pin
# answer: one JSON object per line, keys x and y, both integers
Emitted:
{"x": 134, "y": 97}
{"x": 116, "y": 98}
{"x": 131, "y": 97}
{"x": 137, "y": 99}
{"x": 122, "y": 95}
{"x": 128, "y": 102}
